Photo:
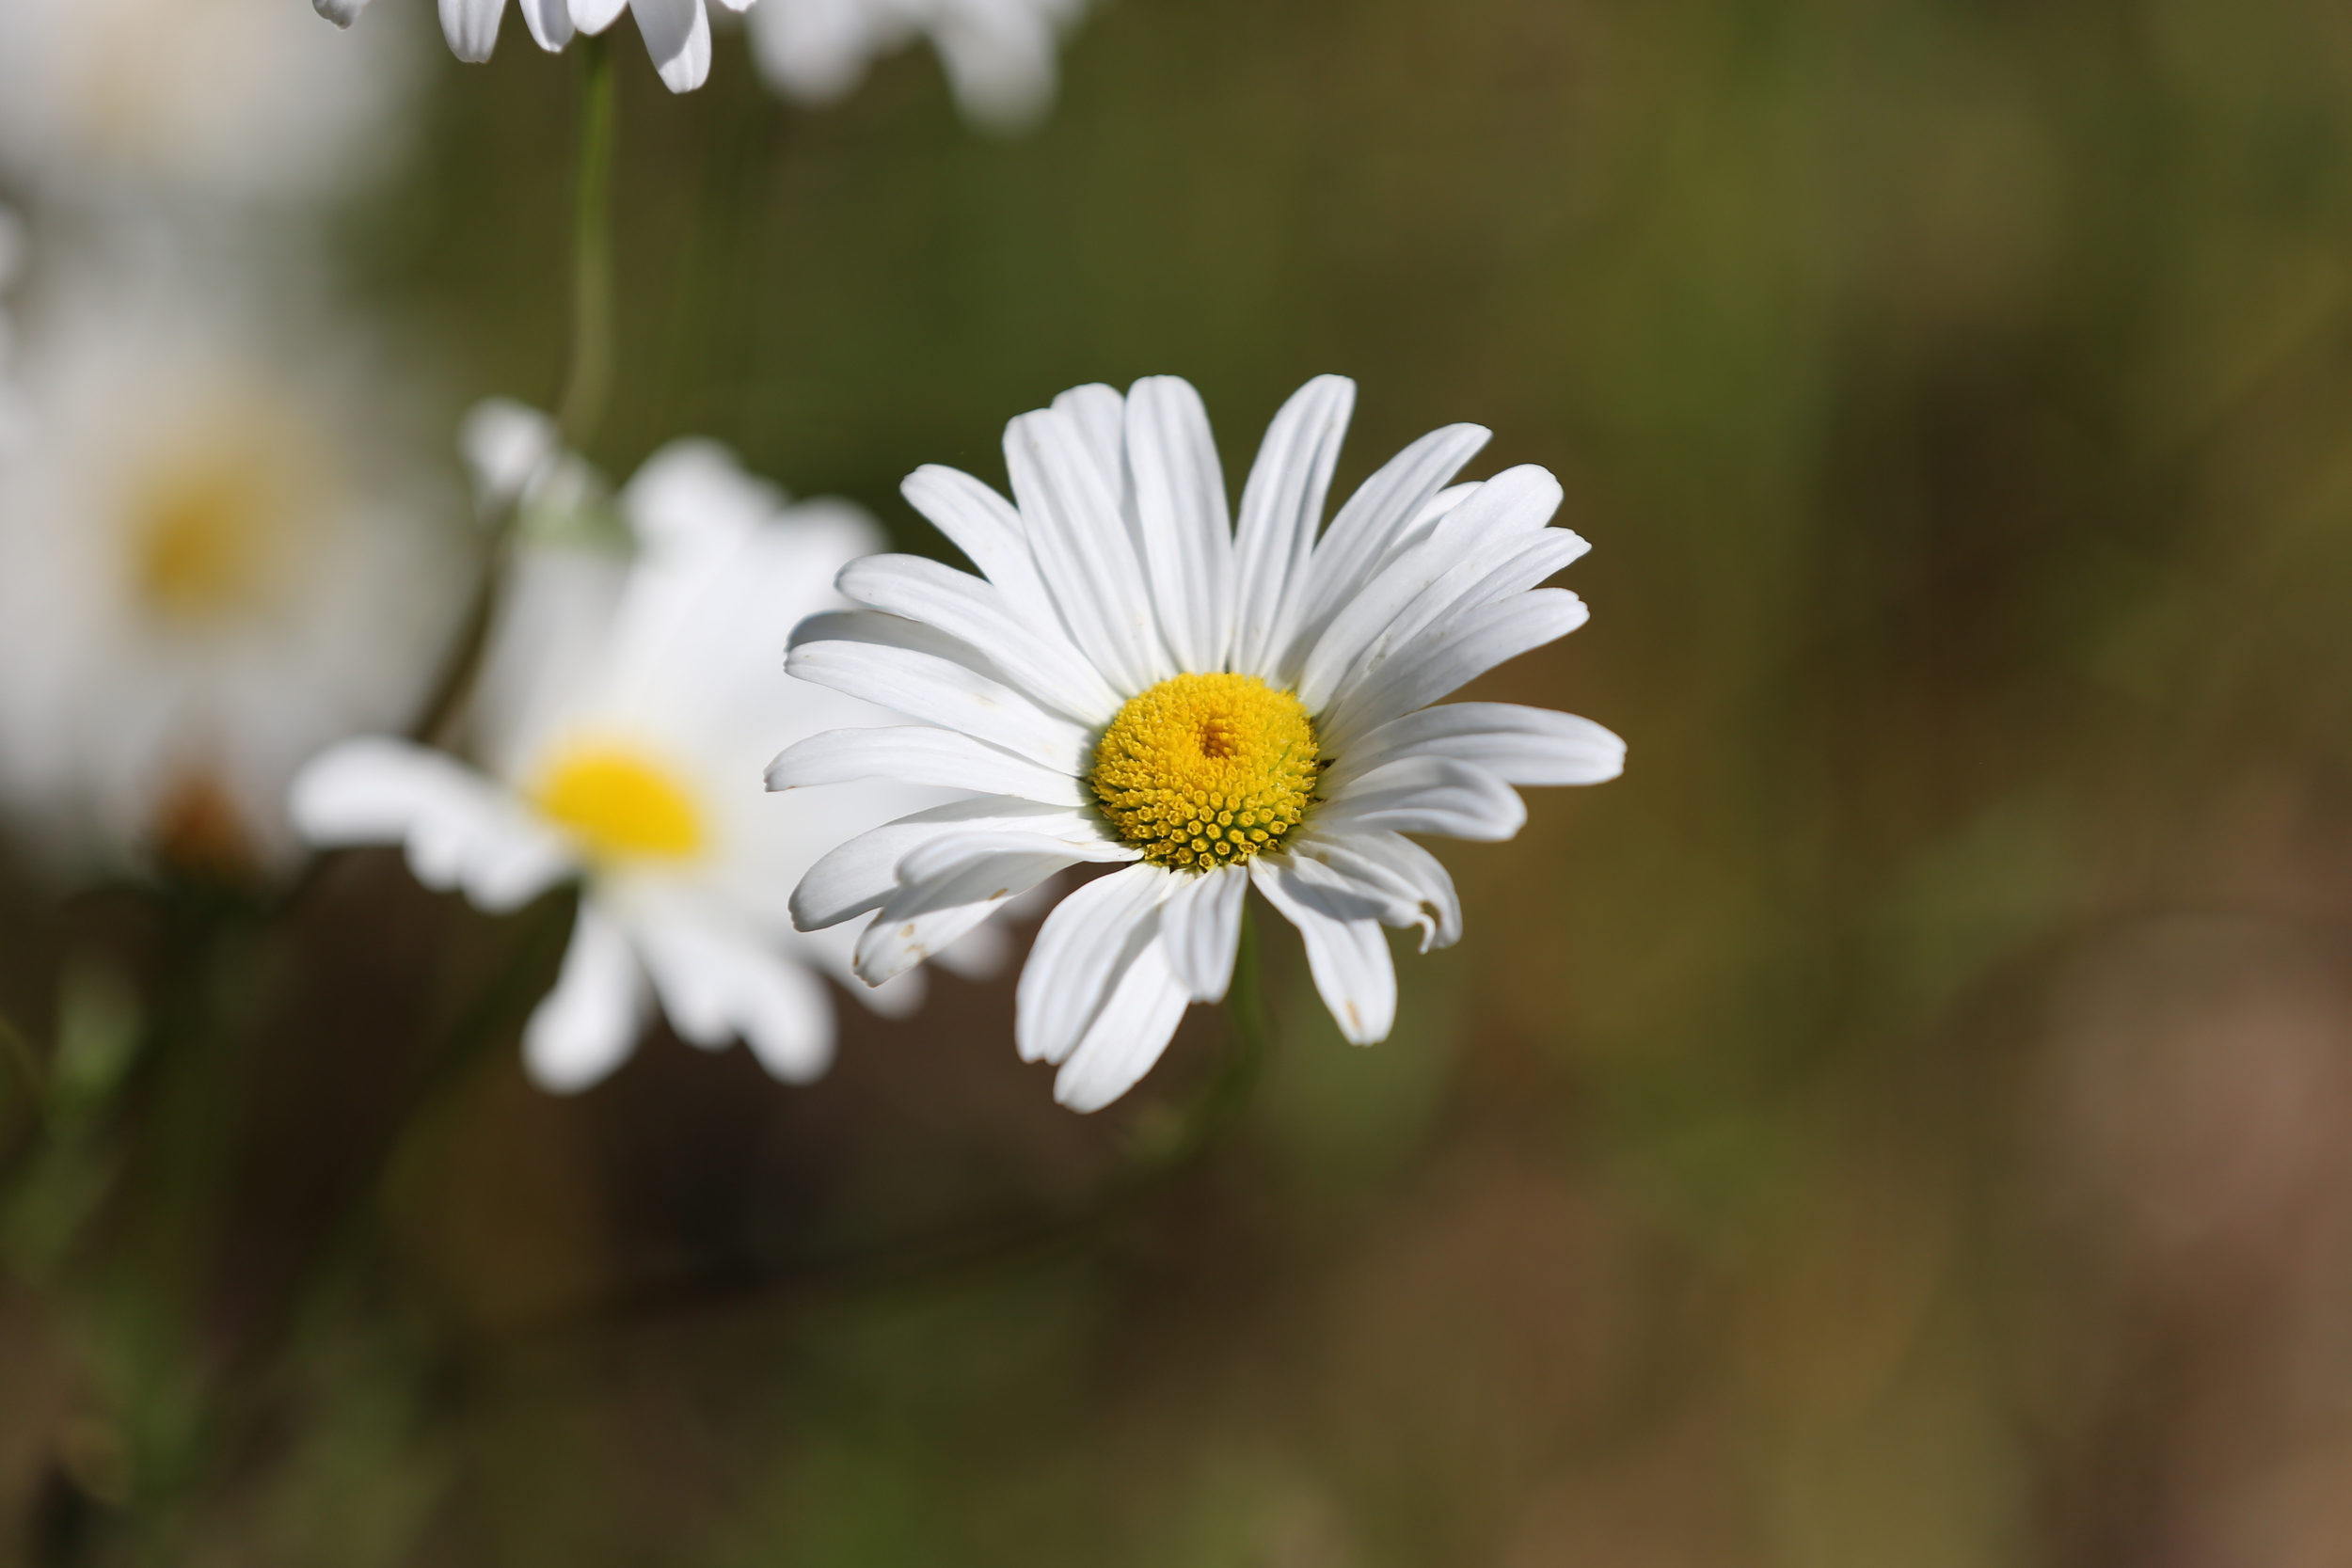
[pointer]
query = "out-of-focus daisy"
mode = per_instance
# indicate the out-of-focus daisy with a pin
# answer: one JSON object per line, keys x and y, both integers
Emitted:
{"x": 999, "y": 54}
{"x": 1134, "y": 681}
{"x": 213, "y": 560}
{"x": 237, "y": 99}
{"x": 676, "y": 32}
{"x": 624, "y": 714}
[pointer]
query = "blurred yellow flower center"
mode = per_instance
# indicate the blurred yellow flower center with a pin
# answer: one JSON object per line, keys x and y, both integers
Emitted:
{"x": 208, "y": 532}
{"x": 620, "y": 806}
{"x": 1206, "y": 771}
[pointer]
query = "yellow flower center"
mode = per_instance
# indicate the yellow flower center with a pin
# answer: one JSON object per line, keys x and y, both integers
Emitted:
{"x": 215, "y": 518}
{"x": 619, "y": 805}
{"x": 1206, "y": 771}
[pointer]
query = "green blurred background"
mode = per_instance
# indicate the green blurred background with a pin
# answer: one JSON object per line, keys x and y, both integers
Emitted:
{"x": 1907, "y": 1120}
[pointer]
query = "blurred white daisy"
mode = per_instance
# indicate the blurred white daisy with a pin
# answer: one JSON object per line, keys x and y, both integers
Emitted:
{"x": 676, "y": 32}
{"x": 624, "y": 716}
{"x": 237, "y": 99}
{"x": 213, "y": 560}
{"x": 1133, "y": 681}
{"x": 999, "y": 54}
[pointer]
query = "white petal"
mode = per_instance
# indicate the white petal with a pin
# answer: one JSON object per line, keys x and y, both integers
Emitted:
{"x": 1377, "y": 522}
{"x": 901, "y": 996}
{"x": 886, "y": 630}
{"x": 861, "y": 874}
{"x": 987, "y": 528}
{"x": 1381, "y": 867}
{"x": 1280, "y": 509}
{"x": 461, "y": 831}
{"x": 938, "y": 691}
{"x": 505, "y": 444}
{"x": 1510, "y": 568}
{"x": 953, "y": 857}
{"x": 343, "y": 13}
{"x": 1180, "y": 503}
{"x": 1437, "y": 666}
{"x": 551, "y": 23}
{"x": 1427, "y": 795}
{"x": 952, "y": 882}
{"x": 717, "y": 987}
{"x": 918, "y": 754}
{"x": 1127, "y": 1036}
{"x": 890, "y": 947}
{"x": 1096, "y": 413}
{"x": 677, "y": 36}
{"x": 1201, "y": 927}
{"x": 1081, "y": 951}
{"x": 586, "y": 1026}
{"x": 1077, "y": 532}
{"x": 1517, "y": 745}
{"x": 814, "y": 50}
{"x": 1000, "y": 60}
{"x": 471, "y": 28}
{"x": 695, "y": 491}
{"x": 1421, "y": 596}
{"x": 595, "y": 16}
{"x": 1032, "y": 655}
{"x": 1348, "y": 957}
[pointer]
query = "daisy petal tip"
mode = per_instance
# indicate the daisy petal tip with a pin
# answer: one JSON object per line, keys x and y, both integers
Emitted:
{"x": 685, "y": 73}
{"x": 1084, "y": 1097}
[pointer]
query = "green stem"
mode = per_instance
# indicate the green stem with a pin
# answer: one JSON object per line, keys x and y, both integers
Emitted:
{"x": 588, "y": 381}
{"x": 1220, "y": 1107}
{"x": 587, "y": 387}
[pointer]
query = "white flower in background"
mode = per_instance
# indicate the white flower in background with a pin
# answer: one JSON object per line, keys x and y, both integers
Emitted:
{"x": 1137, "y": 681}
{"x": 237, "y": 99}
{"x": 1000, "y": 55}
{"x": 624, "y": 717}
{"x": 213, "y": 560}
{"x": 676, "y": 32}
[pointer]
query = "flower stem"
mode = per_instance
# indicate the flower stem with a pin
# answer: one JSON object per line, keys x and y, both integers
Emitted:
{"x": 588, "y": 381}
{"x": 1222, "y": 1104}
{"x": 587, "y": 384}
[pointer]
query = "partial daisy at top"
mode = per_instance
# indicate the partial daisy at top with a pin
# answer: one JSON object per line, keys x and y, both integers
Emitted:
{"x": 1000, "y": 56}
{"x": 1134, "y": 681}
{"x": 239, "y": 100}
{"x": 676, "y": 32}
{"x": 217, "y": 554}
{"x": 624, "y": 714}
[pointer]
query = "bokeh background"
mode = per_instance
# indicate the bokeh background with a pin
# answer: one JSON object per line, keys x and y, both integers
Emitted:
{"x": 1907, "y": 1119}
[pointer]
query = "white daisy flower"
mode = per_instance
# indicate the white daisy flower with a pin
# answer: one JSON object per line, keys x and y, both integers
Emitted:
{"x": 1000, "y": 55}
{"x": 237, "y": 99}
{"x": 1134, "y": 681}
{"x": 676, "y": 32}
{"x": 623, "y": 718}
{"x": 214, "y": 559}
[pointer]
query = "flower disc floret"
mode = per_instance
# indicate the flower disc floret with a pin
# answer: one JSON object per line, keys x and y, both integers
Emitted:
{"x": 620, "y": 806}
{"x": 1207, "y": 771}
